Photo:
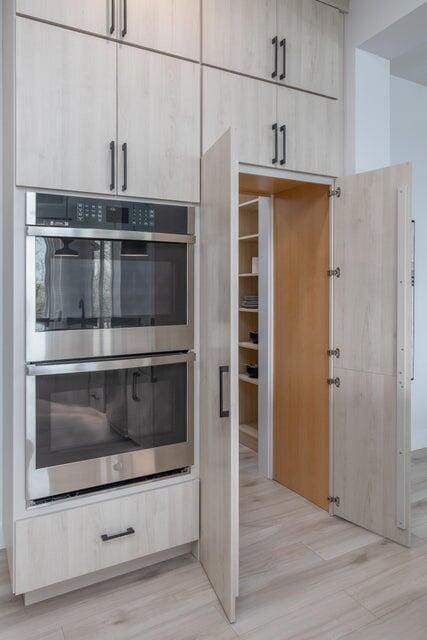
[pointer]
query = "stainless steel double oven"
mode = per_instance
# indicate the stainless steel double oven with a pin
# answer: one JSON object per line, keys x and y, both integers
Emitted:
{"x": 110, "y": 305}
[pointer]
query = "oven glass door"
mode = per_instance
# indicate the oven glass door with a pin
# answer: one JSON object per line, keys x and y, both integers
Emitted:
{"x": 86, "y": 419}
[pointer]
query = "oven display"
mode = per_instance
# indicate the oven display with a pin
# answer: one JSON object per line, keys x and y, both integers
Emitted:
{"x": 117, "y": 215}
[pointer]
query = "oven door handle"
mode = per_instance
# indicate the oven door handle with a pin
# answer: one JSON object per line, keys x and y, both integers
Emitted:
{"x": 88, "y": 366}
{"x": 108, "y": 234}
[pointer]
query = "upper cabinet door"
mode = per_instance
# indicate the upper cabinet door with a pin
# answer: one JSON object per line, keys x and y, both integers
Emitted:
{"x": 238, "y": 35}
{"x": 158, "y": 126}
{"x": 96, "y": 16}
{"x": 372, "y": 329}
{"x": 310, "y": 132}
{"x": 65, "y": 108}
{"x": 171, "y": 26}
{"x": 244, "y": 104}
{"x": 310, "y": 46}
{"x": 219, "y": 366}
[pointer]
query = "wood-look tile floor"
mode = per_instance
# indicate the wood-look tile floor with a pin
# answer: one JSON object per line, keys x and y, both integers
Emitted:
{"x": 304, "y": 576}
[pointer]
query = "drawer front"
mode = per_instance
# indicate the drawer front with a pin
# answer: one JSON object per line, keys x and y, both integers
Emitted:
{"x": 71, "y": 543}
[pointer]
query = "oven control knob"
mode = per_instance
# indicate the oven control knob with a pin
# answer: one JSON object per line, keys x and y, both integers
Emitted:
{"x": 118, "y": 466}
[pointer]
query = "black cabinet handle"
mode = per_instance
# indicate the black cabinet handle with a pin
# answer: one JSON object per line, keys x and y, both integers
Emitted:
{"x": 274, "y": 43}
{"x": 113, "y": 16}
{"x": 125, "y": 18}
{"x": 135, "y": 377}
{"x": 276, "y": 143}
{"x": 283, "y": 132}
{"x": 125, "y": 166}
{"x": 283, "y": 44}
{"x": 223, "y": 413}
{"x": 113, "y": 165}
{"x": 106, "y": 538}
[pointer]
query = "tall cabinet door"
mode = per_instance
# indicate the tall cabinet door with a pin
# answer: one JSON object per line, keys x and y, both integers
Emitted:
{"x": 172, "y": 26}
{"x": 310, "y": 39}
{"x": 244, "y": 104}
{"x": 96, "y": 16}
{"x": 372, "y": 330}
{"x": 238, "y": 36}
{"x": 219, "y": 421}
{"x": 65, "y": 108}
{"x": 158, "y": 126}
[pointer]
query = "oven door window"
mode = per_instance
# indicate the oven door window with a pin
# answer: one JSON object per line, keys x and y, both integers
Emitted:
{"x": 80, "y": 416}
{"x": 99, "y": 284}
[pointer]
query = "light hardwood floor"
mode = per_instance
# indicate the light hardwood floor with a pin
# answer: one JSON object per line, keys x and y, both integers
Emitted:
{"x": 304, "y": 576}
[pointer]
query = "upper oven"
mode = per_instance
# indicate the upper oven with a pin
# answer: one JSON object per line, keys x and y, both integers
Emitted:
{"x": 107, "y": 278}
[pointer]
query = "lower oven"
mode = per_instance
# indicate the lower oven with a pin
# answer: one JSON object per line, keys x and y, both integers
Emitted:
{"x": 94, "y": 423}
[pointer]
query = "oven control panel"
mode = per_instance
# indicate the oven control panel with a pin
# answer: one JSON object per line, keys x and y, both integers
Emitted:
{"x": 92, "y": 213}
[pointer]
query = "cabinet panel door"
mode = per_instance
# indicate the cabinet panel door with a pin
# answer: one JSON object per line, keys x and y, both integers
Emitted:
{"x": 313, "y": 33}
{"x": 65, "y": 108}
{"x": 219, "y": 403}
{"x": 372, "y": 328}
{"x": 159, "y": 120}
{"x": 238, "y": 35}
{"x": 312, "y": 141}
{"x": 172, "y": 26}
{"x": 95, "y": 16}
{"x": 244, "y": 104}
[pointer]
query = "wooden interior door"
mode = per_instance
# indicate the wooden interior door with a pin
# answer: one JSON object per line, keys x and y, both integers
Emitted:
{"x": 219, "y": 420}
{"x": 301, "y": 338}
{"x": 372, "y": 329}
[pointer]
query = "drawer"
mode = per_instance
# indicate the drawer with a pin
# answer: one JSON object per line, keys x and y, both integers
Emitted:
{"x": 59, "y": 546}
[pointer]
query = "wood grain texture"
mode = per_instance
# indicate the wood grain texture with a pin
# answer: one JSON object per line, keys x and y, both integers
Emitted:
{"x": 301, "y": 334}
{"x": 237, "y": 35}
{"x": 313, "y": 132}
{"x": 94, "y": 16}
{"x": 313, "y": 32}
{"x": 366, "y": 252}
{"x": 367, "y": 431}
{"x": 171, "y": 26}
{"x": 67, "y": 544}
{"x": 159, "y": 119}
{"x": 246, "y": 105}
{"x": 65, "y": 108}
{"x": 219, "y": 466}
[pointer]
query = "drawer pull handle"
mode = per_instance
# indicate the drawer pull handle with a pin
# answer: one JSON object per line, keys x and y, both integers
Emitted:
{"x": 106, "y": 538}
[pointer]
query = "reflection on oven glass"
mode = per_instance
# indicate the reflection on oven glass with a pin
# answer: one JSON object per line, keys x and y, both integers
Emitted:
{"x": 80, "y": 416}
{"x": 88, "y": 284}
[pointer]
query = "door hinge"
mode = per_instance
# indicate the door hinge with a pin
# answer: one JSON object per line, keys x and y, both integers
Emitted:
{"x": 334, "y": 381}
{"x": 334, "y": 352}
{"x": 335, "y": 192}
{"x": 334, "y": 273}
{"x": 334, "y": 500}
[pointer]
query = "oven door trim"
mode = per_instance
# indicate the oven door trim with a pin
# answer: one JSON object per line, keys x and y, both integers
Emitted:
{"x": 75, "y": 476}
{"x": 42, "y": 346}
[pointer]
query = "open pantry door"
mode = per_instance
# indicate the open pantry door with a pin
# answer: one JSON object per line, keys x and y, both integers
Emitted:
{"x": 219, "y": 421}
{"x": 372, "y": 328}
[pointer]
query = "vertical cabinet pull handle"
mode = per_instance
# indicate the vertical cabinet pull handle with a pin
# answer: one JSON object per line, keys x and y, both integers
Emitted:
{"x": 113, "y": 16}
{"x": 223, "y": 413}
{"x": 283, "y": 132}
{"x": 276, "y": 143}
{"x": 125, "y": 18}
{"x": 113, "y": 165}
{"x": 283, "y": 44}
{"x": 274, "y": 42}
{"x": 135, "y": 377}
{"x": 125, "y": 166}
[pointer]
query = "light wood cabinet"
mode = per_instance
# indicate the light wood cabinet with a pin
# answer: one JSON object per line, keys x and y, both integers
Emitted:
{"x": 63, "y": 545}
{"x": 245, "y": 104}
{"x": 159, "y": 121}
{"x": 171, "y": 26}
{"x": 311, "y": 140}
{"x": 65, "y": 108}
{"x": 310, "y": 40}
{"x": 238, "y": 36}
{"x": 96, "y": 16}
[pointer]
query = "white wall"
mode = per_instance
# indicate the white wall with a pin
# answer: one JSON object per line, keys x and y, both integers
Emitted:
{"x": 409, "y": 142}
